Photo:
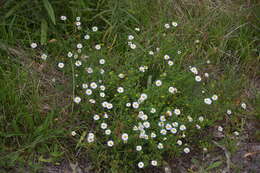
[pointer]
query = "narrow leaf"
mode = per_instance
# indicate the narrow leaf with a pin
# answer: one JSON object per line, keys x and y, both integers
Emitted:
{"x": 44, "y": 28}
{"x": 50, "y": 10}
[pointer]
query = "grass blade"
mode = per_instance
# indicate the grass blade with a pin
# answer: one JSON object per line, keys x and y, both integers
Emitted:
{"x": 44, "y": 28}
{"x": 50, "y": 10}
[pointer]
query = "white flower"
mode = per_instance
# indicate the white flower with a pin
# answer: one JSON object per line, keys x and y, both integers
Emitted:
{"x": 178, "y": 52}
{"x": 179, "y": 142}
{"x": 190, "y": 118}
{"x": 153, "y": 110}
{"x": 78, "y": 23}
{"x": 128, "y": 104}
{"x": 229, "y": 112}
{"x": 198, "y": 78}
{"x": 186, "y": 150}
{"x": 177, "y": 111}
{"x": 88, "y": 92}
{"x": 109, "y": 106}
{"x": 141, "y": 164}
{"x": 135, "y": 105}
{"x": 174, "y": 24}
{"x": 151, "y": 53}
{"x": 93, "y": 85}
{"x": 167, "y": 25}
{"x": 198, "y": 126}
{"x": 137, "y": 29}
{"x": 142, "y": 69}
{"x": 120, "y": 89}
{"x": 166, "y": 57}
{"x": 63, "y": 18}
{"x": 77, "y": 100}
{"x": 69, "y": 54}
{"x": 163, "y": 132}
{"x": 160, "y": 146}
{"x": 170, "y": 63}
{"x": 220, "y": 128}
{"x": 84, "y": 86}
{"x": 138, "y": 148}
{"x": 206, "y": 74}
{"x": 33, "y": 45}
{"x": 77, "y": 18}
{"x": 78, "y": 63}
{"x": 153, "y": 135}
{"x": 169, "y": 113}
{"x": 158, "y": 83}
{"x": 131, "y": 37}
{"x": 61, "y": 65}
{"x": 133, "y": 46}
{"x": 208, "y": 61}
{"x": 94, "y": 28}
{"x": 162, "y": 118}
{"x": 236, "y": 133}
{"x": 194, "y": 70}
{"x": 201, "y": 118}
{"x": 44, "y": 56}
{"x": 79, "y": 45}
{"x": 146, "y": 123}
{"x": 214, "y": 97}
{"x": 243, "y": 105}
{"x": 102, "y": 71}
{"x": 98, "y": 47}
{"x": 168, "y": 127}
{"x": 103, "y": 125}
{"x": 102, "y": 87}
{"x": 108, "y": 132}
{"x": 96, "y": 117}
{"x": 73, "y": 133}
{"x": 92, "y": 101}
{"x": 86, "y": 37}
{"x": 175, "y": 124}
{"x": 90, "y": 139}
{"x": 173, "y": 130}
{"x": 124, "y": 136}
{"x": 154, "y": 163}
{"x": 121, "y": 75}
{"x": 110, "y": 143}
{"x": 102, "y": 61}
{"x": 182, "y": 127}
{"x": 89, "y": 70}
{"x": 208, "y": 101}
{"x": 102, "y": 94}
{"x": 143, "y": 96}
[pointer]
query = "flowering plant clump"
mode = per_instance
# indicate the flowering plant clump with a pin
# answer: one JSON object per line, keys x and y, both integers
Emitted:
{"x": 139, "y": 105}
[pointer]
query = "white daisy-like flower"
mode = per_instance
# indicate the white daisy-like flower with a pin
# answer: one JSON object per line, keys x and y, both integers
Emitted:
{"x": 120, "y": 89}
{"x": 96, "y": 117}
{"x": 143, "y": 96}
{"x": 166, "y": 57}
{"x": 169, "y": 113}
{"x": 84, "y": 86}
{"x": 160, "y": 146}
{"x": 93, "y": 85}
{"x": 102, "y": 88}
{"x": 79, "y": 46}
{"x": 151, "y": 53}
{"x": 175, "y": 124}
{"x": 177, "y": 111}
{"x": 128, "y": 105}
{"x": 243, "y": 105}
{"x": 172, "y": 90}
{"x": 132, "y": 46}
{"x": 220, "y": 128}
{"x": 179, "y": 142}
{"x": 98, "y": 47}
{"x": 162, "y": 118}
{"x": 154, "y": 163}
{"x": 153, "y": 110}
{"x": 186, "y": 150}
{"x": 194, "y": 70}
{"x": 158, "y": 83}
{"x": 208, "y": 101}
{"x": 175, "y": 24}
{"x": 160, "y": 124}
{"x": 178, "y": 52}
{"x": 60, "y": 64}
{"x": 135, "y": 105}
{"x": 69, "y": 54}
{"x": 141, "y": 164}
{"x": 201, "y": 118}
{"x": 206, "y": 74}
{"x": 198, "y": 126}
{"x": 173, "y": 130}
{"x": 88, "y": 92}
{"x": 142, "y": 69}
{"x": 107, "y": 131}
{"x": 90, "y": 139}
{"x": 78, "y": 63}
{"x": 124, "y": 136}
{"x": 214, "y": 97}
{"x": 102, "y": 61}
{"x": 94, "y": 28}
{"x": 170, "y": 63}
{"x": 229, "y": 112}
{"x": 92, "y": 101}
{"x": 110, "y": 143}
{"x": 73, "y": 133}
{"x": 78, "y": 18}
{"x": 121, "y": 75}
{"x": 146, "y": 124}
{"x": 198, "y": 78}
{"x": 163, "y": 132}
{"x": 168, "y": 127}
{"x": 103, "y": 125}
{"x": 89, "y": 70}
{"x": 137, "y": 29}
{"x": 138, "y": 148}
{"x": 44, "y": 56}
{"x": 208, "y": 61}
{"x": 236, "y": 133}
{"x": 109, "y": 106}
{"x": 63, "y": 18}
{"x": 34, "y": 45}
{"x": 78, "y": 23}
{"x": 77, "y": 100}
{"x": 182, "y": 127}
{"x": 167, "y": 25}
{"x": 190, "y": 119}
{"x": 130, "y": 37}
{"x": 102, "y": 94}
{"x": 86, "y": 37}
{"x": 153, "y": 135}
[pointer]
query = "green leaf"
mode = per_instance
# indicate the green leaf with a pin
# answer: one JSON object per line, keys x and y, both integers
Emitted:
{"x": 44, "y": 28}
{"x": 50, "y": 10}
{"x": 214, "y": 165}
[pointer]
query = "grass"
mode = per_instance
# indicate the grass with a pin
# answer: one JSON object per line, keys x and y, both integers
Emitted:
{"x": 38, "y": 116}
